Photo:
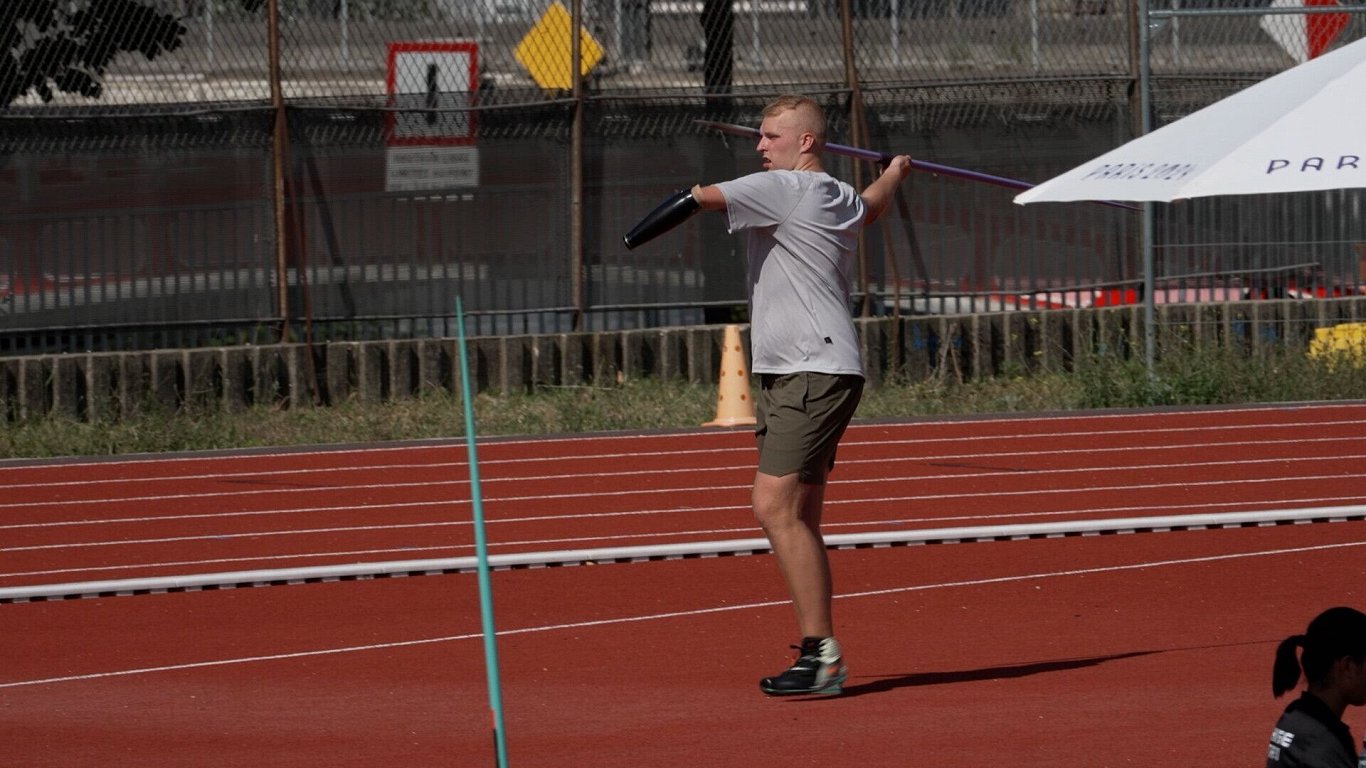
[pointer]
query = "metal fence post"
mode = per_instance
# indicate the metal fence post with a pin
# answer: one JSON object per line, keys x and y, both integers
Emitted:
{"x": 576, "y": 261}
{"x": 278, "y": 146}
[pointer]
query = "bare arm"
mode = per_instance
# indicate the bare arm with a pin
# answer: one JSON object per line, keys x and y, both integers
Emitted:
{"x": 880, "y": 193}
{"x": 710, "y": 198}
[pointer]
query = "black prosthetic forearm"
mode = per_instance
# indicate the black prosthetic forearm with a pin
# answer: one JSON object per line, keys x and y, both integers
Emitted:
{"x": 670, "y": 213}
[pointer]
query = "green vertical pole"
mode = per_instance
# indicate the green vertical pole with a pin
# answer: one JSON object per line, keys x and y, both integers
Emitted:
{"x": 481, "y": 551}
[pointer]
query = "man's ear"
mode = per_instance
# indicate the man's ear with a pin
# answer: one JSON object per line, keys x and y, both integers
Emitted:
{"x": 808, "y": 141}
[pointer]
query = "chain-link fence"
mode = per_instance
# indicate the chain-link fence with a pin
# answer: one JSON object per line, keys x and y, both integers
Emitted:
{"x": 202, "y": 171}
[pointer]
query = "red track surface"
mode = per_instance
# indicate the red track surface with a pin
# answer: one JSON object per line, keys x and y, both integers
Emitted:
{"x": 1143, "y": 649}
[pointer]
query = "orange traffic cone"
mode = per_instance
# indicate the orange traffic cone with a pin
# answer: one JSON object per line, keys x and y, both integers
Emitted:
{"x": 733, "y": 405}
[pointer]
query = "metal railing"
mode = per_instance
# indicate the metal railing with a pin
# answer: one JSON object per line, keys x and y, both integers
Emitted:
{"x": 284, "y": 171}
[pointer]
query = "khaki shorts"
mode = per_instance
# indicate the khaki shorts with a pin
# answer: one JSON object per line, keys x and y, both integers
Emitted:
{"x": 799, "y": 420}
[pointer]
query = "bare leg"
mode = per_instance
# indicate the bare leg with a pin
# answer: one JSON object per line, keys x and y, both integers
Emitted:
{"x": 790, "y": 513}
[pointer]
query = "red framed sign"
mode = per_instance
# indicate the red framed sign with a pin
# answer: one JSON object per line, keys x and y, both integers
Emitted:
{"x": 430, "y": 85}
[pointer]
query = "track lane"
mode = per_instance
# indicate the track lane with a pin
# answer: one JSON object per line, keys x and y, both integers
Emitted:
{"x": 198, "y": 514}
{"x": 1159, "y": 643}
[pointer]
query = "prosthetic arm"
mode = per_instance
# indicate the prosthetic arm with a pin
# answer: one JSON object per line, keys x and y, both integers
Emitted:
{"x": 674, "y": 211}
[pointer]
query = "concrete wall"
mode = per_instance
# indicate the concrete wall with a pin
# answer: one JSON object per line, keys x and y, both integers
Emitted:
{"x": 118, "y": 384}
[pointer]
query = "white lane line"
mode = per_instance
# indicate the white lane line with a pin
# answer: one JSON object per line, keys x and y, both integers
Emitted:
{"x": 248, "y": 475}
{"x": 829, "y": 526}
{"x": 25, "y": 465}
{"x": 675, "y": 614}
{"x": 450, "y": 523}
{"x": 691, "y": 488}
{"x": 677, "y": 550}
{"x": 685, "y": 509}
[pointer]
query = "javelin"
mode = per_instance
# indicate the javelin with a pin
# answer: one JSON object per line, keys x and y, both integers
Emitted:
{"x": 481, "y": 552}
{"x": 882, "y": 158}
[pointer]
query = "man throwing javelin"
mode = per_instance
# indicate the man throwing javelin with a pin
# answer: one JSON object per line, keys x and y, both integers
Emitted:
{"x": 801, "y": 228}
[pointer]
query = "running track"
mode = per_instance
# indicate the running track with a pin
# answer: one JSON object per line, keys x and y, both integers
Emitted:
{"x": 1140, "y": 649}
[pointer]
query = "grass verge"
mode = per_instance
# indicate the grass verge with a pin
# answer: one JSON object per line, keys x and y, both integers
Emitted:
{"x": 1186, "y": 379}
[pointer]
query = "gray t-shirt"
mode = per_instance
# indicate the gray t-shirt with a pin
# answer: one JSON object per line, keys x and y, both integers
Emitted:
{"x": 801, "y": 231}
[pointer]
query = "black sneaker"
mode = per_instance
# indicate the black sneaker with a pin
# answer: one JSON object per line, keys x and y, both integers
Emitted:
{"x": 819, "y": 670}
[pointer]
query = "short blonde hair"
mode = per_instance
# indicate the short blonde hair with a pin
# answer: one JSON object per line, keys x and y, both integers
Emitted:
{"x": 811, "y": 115}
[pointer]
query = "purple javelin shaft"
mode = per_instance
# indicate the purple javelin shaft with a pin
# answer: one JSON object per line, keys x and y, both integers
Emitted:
{"x": 883, "y": 158}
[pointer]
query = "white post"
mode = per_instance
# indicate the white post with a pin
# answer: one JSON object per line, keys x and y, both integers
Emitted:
{"x": 757, "y": 55}
{"x": 1176, "y": 34}
{"x": 345, "y": 14}
{"x": 896, "y": 32}
{"x": 617, "y": 33}
{"x": 1034, "y": 34}
{"x": 208, "y": 28}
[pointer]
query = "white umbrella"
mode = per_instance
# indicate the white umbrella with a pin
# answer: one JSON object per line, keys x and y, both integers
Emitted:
{"x": 1301, "y": 130}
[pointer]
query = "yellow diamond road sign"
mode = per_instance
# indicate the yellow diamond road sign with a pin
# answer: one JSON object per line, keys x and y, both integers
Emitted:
{"x": 544, "y": 51}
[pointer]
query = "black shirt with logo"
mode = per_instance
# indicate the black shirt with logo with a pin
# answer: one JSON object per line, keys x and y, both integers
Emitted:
{"x": 1309, "y": 735}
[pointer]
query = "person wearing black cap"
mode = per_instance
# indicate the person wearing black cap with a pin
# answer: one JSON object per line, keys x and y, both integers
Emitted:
{"x": 1311, "y": 733}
